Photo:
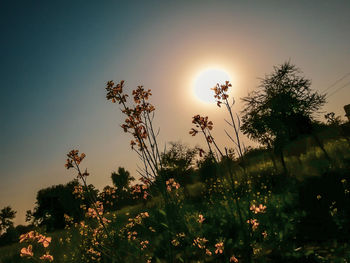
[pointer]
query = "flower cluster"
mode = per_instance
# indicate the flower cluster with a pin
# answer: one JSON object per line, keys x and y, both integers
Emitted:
{"x": 74, "y": 160}
{"x": 144, "y": 244}
{"x": 93, "y": 239}
{"x": 34, "y": 236}
{"x": 115, "y": 92}
{"x": 219, "y": 248}
{"x": 200, "y": 242}
{"x": 132, "y": 235}
{"x": 96, "y": 211}
{"x": 73, "y": 157}
{"x": 139, "y": 124}
{"x": 139, "y": 190}
{"x": 204, "y": 126}
{"x": 47, "y": 257}
{"x": 94, "y": 253}
{"x": 135, "y": 122}
{"x": 254, "y": 223}
{"x": 176, "y": 241}
{"x": 201, "y": 122}
{"x": 108, "y": 196}
{"x": 78, "y": 192}
{"x": 171, "y": 184}
{"x": 132, "y": 222}
{"x": 258, "y": 209}
{"x": 221, "y": 92}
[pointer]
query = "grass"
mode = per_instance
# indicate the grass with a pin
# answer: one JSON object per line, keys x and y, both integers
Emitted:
{"x": 281, "y": 217}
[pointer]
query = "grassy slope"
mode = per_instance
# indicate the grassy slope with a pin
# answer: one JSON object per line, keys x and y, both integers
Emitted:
{"x": 310, "y": 163}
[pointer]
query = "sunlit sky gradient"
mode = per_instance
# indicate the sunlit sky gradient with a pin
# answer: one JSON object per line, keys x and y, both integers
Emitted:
{"x": 56, "y": 57}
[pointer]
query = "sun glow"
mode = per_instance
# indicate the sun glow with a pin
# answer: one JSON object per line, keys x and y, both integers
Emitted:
{"x": 206, "y": 80}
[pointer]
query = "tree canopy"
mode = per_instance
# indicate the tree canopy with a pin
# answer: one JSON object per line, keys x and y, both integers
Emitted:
{"x": 54, "y": 202}
{"x": 122, "y": 179}
{"x": 7, "y": 214}
{"x": 281, "y": 108}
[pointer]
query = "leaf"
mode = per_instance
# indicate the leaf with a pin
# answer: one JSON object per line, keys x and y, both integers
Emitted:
{"x": 162, "y": 212}
{"x": 165, "y": 225}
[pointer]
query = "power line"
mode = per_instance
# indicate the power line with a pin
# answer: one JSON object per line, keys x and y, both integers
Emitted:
{"x": 336, "y": 82}
{"x": 337, "y": 90}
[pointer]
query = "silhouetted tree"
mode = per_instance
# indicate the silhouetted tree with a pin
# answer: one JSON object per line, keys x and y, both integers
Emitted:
{"x": 55, "y": 201}
{"x": 12, "y": 234}
{"x": 7, "y": 214}
{"x": 122, "y": 180}
{"x": 281, "y": 109}
{"x": 178, "y": 163}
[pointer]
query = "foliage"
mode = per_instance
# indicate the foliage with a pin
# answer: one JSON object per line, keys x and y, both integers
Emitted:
{"x": 282, "y": 108}
{"x": 7, "y": 214}
{"x": 56, "y": 201}
{"x": 122, "y": 179}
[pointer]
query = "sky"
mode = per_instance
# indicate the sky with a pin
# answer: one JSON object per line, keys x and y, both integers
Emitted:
{"x": 56, "y": 57}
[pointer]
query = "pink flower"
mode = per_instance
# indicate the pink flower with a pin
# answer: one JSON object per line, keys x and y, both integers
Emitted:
{"x": 26, "y": 236}
{"x": 200, "y": 218}
{"x": 47, "y": 257}
{"x": 233, "y": 259}
{"x": 44, "y": 240}
{"x": 208, "y": 252}
{"x": 254, "y": 223}
{"x": 258, "y": 209}
{"x": 27, "y": 251}
{"x": 171, "y": 184}
{"x": 219, "y": 248}
{"x": 264, "y": 234}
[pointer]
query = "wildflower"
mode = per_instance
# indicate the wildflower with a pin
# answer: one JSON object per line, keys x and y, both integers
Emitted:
{"x": 47, "y": 257}
{"x": 219, "y": 248}
{"x": 233, "y": 259}
{"x": 171, "y": 184}
{"x": 175, "y": 242}
{"x": 144, "y": 244}
{"x": 258, "y": 209}
{"x": 27, "y": 251}
{"x": 78, "y": 190}
{"x": 181, "y": 234}
{"x": 27, "y": 236}
{"x": 221, "y": 92}
{"x": 318, "y": 197}
{"x": 45, "y": 241}
{"x": 254, "y": 223}
{"x": 200, "y": 218}
{"x": 201, "y": 122}
{"x": 208, "y": 252}
{"x": 200, "y": 242}
{"x": 264, "y": 234}
{"x": 193, "y": 132}
{"x": 144, "y": 215}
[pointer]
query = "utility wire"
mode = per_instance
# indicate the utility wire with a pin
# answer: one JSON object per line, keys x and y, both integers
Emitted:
{"x": 337, "y": 90}
{"x": 336, "y": 82}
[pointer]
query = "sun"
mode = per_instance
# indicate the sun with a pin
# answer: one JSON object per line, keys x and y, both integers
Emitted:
{"x": 206, "y": 80}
